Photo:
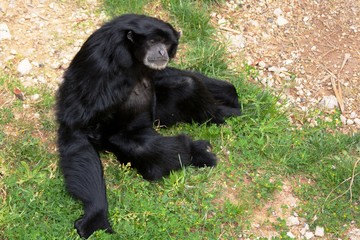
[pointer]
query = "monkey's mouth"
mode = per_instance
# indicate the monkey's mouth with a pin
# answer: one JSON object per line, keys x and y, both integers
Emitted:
{"x": 156, "y": 63}
{"x": 158, "y": 59}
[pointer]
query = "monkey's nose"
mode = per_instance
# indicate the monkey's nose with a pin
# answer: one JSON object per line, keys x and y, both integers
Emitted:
{"x": 162, "y": 52}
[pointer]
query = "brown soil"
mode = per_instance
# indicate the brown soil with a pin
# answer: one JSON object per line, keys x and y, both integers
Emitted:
{"x": 318, "y": 45}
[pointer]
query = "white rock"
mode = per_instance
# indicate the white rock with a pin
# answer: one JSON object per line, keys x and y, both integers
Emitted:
{"x": 292, "y": 221}
{"x": 221, "y": 21}
{"x": 354, "y": 234}
{"x": 353, "y": 115}
{"x": 343, "y": 119}
{"x": 35, "y": 97}
{"x": 290, "y": 235}
{"x": 262, "y": 64}
{"x": 319, "y": 231}
{"x": 274, "y": 69}
{"x": 24, "y": 67}
{"x": 288, "y": 61}
{"x": 281, "y": 21}
{"x": 4, "y": 32}
{"x": 304, "y": 229}
{"x": 349, "y": 122}
{"x": 238, "y": 41}
{"x": 357, "y": 121}
{"x": 278, "y": 12}
{"x": 309, "y": 235}
{"x": 329, "y": 102}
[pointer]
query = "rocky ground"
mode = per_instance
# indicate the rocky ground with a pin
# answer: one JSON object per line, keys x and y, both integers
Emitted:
{"x": 306, "y": 50}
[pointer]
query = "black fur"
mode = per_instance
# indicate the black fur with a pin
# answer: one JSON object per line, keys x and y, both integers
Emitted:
{"x": 109, "y": 100}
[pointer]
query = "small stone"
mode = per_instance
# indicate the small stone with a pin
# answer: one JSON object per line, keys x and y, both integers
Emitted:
{"x": 343, "y": 119}
{"x": 35, "y": 97}
{"x": 4, "y": 32}
{"x": 281, "y": 21}
{"x": 288, "y": 61}
{"x": 274, "y": 69}
{"x": 319, "y": 231}
{"x": 357, "y": 121}
{"x": 238, "y": 41}
{"x": 290, "y": 235}
{"x": 353, "y": 115}
{"x": 292, "y": 221}
{"x": 309, "y": 235}
{"x": 24, "y": 67}
{"x": 278, "y": 12}
{"x": 221, "y": 21}
{"x": 256, "y": 225}
{"x": 349, "y": 122}
{"x": 354, "y": 234}
{"x": 262, "y": 64}
{"x": 329, "y": 102}
{"x": 304, "y": 229}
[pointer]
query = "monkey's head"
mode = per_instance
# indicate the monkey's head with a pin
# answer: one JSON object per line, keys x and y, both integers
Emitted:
{"x": 130, "y": 40}
{"x": 152, "y": 41}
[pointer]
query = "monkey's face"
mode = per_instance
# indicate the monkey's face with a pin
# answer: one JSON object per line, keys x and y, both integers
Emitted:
{"x": 155, "y": 50}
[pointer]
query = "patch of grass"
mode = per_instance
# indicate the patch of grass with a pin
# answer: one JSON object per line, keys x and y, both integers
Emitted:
{"x": 257, "y": 152}
{"x": 114, "y": 7}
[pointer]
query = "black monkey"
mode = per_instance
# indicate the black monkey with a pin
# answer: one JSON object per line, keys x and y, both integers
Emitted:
{"x": 186, "y": 96}
{"x": 113, "y": 90}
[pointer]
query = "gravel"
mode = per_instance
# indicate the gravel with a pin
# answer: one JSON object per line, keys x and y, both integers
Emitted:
{"x": 300, "y": 49}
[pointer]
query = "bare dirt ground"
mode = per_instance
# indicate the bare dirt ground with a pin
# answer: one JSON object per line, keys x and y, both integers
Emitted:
{"x": 305, "y": 50}
{"x": 309, "y": 51}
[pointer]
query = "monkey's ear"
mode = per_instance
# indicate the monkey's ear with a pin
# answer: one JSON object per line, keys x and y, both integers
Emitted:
{"x": 130, "y": 36}
{"x": 179, "y": 34}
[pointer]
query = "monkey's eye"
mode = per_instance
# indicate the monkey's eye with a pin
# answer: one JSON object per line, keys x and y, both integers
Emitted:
{"x": 152, "y": 41}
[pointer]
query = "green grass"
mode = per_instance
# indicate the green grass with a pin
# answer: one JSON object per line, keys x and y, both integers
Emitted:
{"x": 258, "y": 152}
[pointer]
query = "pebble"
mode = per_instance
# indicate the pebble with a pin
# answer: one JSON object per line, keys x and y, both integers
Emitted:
{"x": 329, "y": 102}
{"x": 281, "y": 21}
{"x": 343, "y": 119}
{"x": 288, "y": 61}
{"x": 354, "y": 234}
{"x": 35, "y": 97}
{"x": 292, "y": 221}
{"x": 304, "y": 229}
{"x": 357, "y": 121}
{"x": 4, "y": 32}
{"x": 278, "y": 12}
{"x": 353, "y": 115}
{"x": 309, "y": 235}
{"x": 24, "y": 67}
{"x": 290, "y": 235}
{"x": 262, "y": 64}
{"x": 238, "y": 41}
{"x": 349, "y": 122}
{"x": 319, "y": 231}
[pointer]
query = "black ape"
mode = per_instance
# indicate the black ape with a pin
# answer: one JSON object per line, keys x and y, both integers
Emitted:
{"x": 116, "y": 86}
{"x": 184, "y": 96}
